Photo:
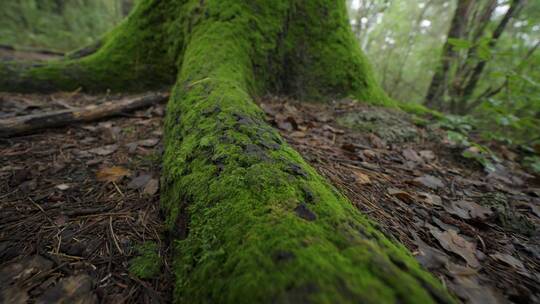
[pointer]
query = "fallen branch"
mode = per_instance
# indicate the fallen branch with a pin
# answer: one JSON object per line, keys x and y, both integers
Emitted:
{"x": 35, "y": 122}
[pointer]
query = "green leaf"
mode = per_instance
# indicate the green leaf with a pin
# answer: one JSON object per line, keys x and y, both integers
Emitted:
{"x": 457, "y": 138}
{"x": 483, "y": 52}
{"x": 459, "y": 44}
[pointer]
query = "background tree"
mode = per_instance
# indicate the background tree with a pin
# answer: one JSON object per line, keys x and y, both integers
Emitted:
{"x": 251, "y": 222}
{"x": 407, "y": 56}
{"x": 466, "y": 53}
{"x": 58, "y": 25}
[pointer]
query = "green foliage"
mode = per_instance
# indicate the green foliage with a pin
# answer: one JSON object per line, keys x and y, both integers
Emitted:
{"x": 533, "y": 163}
{"x": 405, "y": 43}
{"x": 56, "y": 25}
{"x": 147, "y": 264}
{"x": 460, "y": 44}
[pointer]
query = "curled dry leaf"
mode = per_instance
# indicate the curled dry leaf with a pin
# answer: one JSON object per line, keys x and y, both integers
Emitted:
{"x": 468, "y": 210}
{"x": 411, "y": 155}
{"x": 429, "y": 181}
{"x": 139, "y": 181}
{"x": 151, "y": 187}
{"x": 508, "y": 259}
{"x": 427, "y": 155}
{"x": 74, "y": 289}
{"x": 361, "y": 178}
{"x": 62, "y": 187}
{"x": 430, "y": 199}
{"x": 148, "y": 143}
{"x": 105, "y": 150}
{"x": 402, "y": 195}
{"x": 112, "y": 174}
{"x": 452, "y": 242}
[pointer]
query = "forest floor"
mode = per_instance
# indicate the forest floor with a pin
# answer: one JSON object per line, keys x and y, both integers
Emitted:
{"x": 78, "y": 203}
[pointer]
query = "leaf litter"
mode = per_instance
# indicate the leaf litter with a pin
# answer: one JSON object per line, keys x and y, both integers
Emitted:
{"x": 76, "y": 202}
{"x": 477, "y": 231}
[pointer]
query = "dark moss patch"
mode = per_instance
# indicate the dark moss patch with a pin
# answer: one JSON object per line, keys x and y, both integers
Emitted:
{"x": 147, "y": 263}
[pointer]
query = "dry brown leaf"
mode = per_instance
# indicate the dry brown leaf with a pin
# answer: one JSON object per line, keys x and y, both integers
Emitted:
{"x": 468, "y": 210}
{"x": 151, "y": 187}
{"x": 361, "y": 178}
{"x": 411, "y": 155}
{"x": 402, "y": 195}
{"x": 508, "y": 259}
{"x": 74, "y": 289}
{"x": 105, "y": 150}
{"x": 429, "y": 181}
{"x": 430, "y": 199}
{"x": 112, "y": 174}
{"x": 452, "y": 242}
{"x": 427, "y": 155}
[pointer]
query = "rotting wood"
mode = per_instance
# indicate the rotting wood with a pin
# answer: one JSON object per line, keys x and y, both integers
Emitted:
{"x": 35, "y": 122}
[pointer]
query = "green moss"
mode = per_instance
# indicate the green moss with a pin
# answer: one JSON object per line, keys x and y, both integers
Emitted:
{"x": 147, "y": 263}
{"x": 420, "y": 110}
{"x": 138, "y": 54}
{"x": 253, "y": 222}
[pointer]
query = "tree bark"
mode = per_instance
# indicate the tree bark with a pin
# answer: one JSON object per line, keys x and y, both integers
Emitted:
{"x": 470, "y": 82}
{"x": 440, "y": 81}
{"x": 251, "y": 221}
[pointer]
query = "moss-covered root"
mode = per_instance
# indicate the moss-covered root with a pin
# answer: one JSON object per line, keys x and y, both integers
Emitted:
{"x": 138, "y": 54}
{"x": 252, "y": 222}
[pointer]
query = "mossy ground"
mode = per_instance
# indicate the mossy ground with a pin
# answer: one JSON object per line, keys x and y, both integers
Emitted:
{"x": 252, "y": 222}
{"x": 147, "y": 263}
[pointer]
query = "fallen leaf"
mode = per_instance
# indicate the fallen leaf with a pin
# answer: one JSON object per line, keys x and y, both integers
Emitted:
{"x": 62, "y": 187}
{"x": 468, "y": 210}
{"x": 148, "y": 142}
{"x": 361, "y": 178}
{"x": 332, "y": 129}
{"x": 132, "y": 147}
{"x": 139, "y": 181}
{"x": 105, "y": 150}
{"x": 430, "y": 199}
{"x": 402, "y": 195}
{"x": 411, "y": 155}
{"x": 429, "y": 257}
{"x": 429, "y": 181}
{"x": 508, "y": 259}
{"x": 298, "y": 134}
{"x": 151, "y": 187}
{"x": 112, "y": 174}
{"x": 452, "y": 242}
{"x": 74, "y": 289}
{"x": 427, "y": 155}
{"x": 465, "y": 284}
{"x": 376, "y": 142}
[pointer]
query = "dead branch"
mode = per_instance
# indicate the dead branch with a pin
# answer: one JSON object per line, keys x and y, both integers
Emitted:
{"x": 36, "y": 122}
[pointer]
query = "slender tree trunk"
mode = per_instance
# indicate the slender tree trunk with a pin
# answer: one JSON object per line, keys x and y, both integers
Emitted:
{"x": 471, "y": 80}
{"x": 441, "y": 79}
{"x": 251, "y": 222}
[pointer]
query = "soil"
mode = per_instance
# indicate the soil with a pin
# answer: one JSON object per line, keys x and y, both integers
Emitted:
{"x": 78, "y": 201}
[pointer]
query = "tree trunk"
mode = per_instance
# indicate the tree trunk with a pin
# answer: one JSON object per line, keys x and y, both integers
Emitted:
{"x": 441, "y": 79}
{"x": 250, "y": 220}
